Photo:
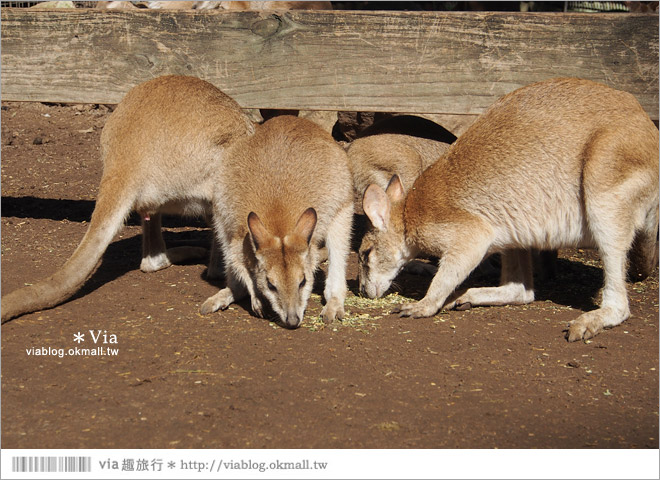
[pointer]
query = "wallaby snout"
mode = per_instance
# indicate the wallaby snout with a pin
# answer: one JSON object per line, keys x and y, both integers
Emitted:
{"x": 292, "y": 320}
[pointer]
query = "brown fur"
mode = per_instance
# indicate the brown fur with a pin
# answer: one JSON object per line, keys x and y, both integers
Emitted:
{"x": 560, "y": 163}
{"x": 285, "y": 191}
{"x": 374, "y": 159}
{"x": 160, "y": 149}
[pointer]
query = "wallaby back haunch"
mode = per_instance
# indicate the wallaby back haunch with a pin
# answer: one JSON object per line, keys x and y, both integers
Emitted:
{"x": 560, "y": 163}
{"x": 283, "y": 192}
{"x": 161, "y": 148}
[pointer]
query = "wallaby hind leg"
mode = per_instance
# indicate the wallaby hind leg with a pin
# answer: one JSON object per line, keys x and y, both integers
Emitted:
{"x": 463, "y": 245}
{"x": 611, "y": 222}
{"x": 516, "y": 284}
{"x": 338, "y": 242}
{"x": 155, "y": 255}
{"x": 614, "y": 306}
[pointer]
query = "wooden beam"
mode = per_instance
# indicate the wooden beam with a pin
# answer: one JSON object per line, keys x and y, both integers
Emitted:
{"x": 418, "y": 62}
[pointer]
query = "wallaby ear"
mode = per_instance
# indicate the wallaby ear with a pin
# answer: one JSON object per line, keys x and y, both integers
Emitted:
{"x": 395, "y": 189}
{"x": 306, "y": 224}
{"x": 258, "y": 231}
{"x": 376, "y": 206}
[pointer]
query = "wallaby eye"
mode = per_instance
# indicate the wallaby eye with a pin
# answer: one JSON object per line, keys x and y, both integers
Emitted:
{"x": 365, "y": 254}
{"x": 302, "y": 283}
{"x": 271, "y": 287}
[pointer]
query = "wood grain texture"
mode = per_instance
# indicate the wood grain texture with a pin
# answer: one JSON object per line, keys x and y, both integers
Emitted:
{"x": 418, "y": 62}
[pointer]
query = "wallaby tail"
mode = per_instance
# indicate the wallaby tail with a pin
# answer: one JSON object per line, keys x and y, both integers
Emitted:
{"x": 107, "y": 219}
{"x": 643, "y": 255}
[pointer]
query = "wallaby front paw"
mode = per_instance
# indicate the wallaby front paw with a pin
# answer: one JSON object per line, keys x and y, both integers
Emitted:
{"x": 219, "y": 301}
{"x": 334, "y": 309}
{"x": 417, "y": 310}
{"x": 257, "y": 307}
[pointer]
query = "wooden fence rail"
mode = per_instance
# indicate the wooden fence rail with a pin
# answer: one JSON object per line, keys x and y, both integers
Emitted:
{"x": 418, "y": 62}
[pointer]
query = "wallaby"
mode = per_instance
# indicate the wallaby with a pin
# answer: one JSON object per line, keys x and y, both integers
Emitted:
{"x": 160, "y": 149}
{"x": 284, "y": 191}
{"x": 374, "y": 159}
{"x": 560, "y": 163}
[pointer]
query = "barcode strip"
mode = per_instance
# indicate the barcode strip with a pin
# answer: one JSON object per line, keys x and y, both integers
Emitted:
{"x": 51, "y": 464}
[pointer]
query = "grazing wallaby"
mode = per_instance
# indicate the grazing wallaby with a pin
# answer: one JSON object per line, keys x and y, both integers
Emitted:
{"x": 284, "y": 191}
{"x": 560, "y": 163}
{"x": 160, "y": 149}
{"x": 375, "y": 158}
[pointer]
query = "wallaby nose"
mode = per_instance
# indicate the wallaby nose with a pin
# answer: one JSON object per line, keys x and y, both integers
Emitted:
{"x": 292, "y": 320}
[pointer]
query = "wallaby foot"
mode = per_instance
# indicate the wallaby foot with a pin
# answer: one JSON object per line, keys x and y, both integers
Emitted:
{"x": 173, "y": 256}
{"x": 153, "y": 263}
{"x": 426, "y": 307}
{"x": 219, "y": 301}
{"x": 226, "y": 296}
{"x": 510, "y": 294}
{"x": 332, "y": 310}
{"x": 516, "y": 284}
{"x": 590, "y": 324}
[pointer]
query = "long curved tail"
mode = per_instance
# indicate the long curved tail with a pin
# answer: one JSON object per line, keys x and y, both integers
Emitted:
{"x": 109, "y": 215}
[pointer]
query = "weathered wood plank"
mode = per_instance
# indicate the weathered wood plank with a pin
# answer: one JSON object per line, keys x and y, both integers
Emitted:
{"x": 433, "y": 62}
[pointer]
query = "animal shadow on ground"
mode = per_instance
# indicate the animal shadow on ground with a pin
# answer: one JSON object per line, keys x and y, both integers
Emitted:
{"x": 121, "y": 256}
{"x": 75, "y": 211}
{"x": 576, "y": 285}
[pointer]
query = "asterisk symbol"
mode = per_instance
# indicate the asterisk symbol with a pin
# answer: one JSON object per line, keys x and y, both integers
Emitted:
{"x": 78, "y": 337}
{"x": 171, "y": 465}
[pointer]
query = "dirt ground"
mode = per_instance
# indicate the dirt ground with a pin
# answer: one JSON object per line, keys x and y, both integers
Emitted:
{"x": 499, "y": 377}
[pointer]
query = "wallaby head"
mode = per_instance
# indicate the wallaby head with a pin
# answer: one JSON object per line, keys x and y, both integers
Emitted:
{"x": 383, "y": 251}
{"x": 284, "y": 272}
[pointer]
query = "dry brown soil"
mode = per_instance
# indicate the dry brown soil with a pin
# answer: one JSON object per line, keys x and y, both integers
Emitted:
{"x": 487, "y": 377}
